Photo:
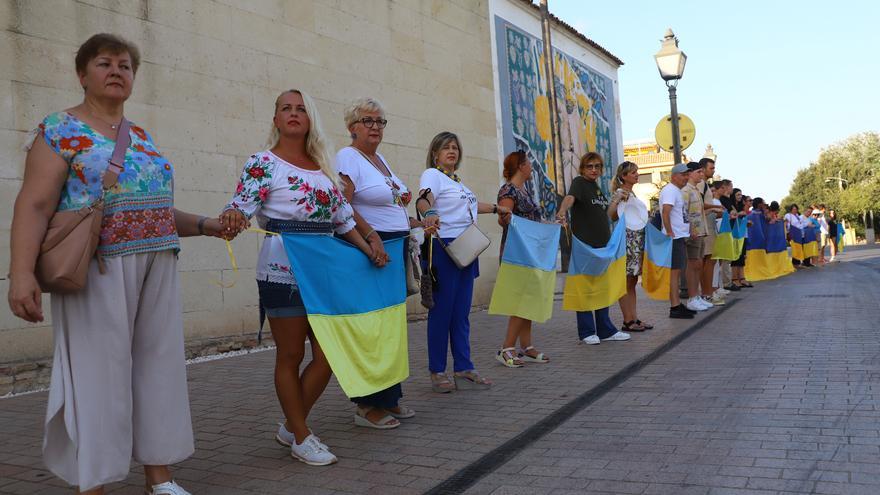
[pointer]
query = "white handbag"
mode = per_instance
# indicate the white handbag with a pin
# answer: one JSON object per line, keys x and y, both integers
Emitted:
{"x": 468, "y": 246}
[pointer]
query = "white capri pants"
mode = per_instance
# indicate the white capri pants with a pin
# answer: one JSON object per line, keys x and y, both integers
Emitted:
{"x": 119, "y": 374}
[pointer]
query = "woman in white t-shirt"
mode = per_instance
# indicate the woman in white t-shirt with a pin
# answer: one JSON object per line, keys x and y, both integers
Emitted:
{"x": 292, "y": 187}
{"x": 379, "y": 199}
{"x": 447, "y": 204}
{"x": 624, "y": 203}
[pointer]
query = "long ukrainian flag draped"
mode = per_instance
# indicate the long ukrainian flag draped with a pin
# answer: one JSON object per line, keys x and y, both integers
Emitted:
{"x": 797, "y": 243}
{"x": 724, "y": 247}
{"x": 657, "y": 263}
{"x": 839, "y": 240}
{"x": 527, "y": 276}
{"x": 596, "y": 276}
{"x": 356, "y": 311}
{"x": 767, "y": 256}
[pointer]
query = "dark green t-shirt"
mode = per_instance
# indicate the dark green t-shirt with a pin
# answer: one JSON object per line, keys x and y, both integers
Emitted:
{"x": 589, "y": 217}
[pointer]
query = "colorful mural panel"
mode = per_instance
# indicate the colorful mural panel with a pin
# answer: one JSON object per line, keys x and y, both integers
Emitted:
{"x": 585, "y": 103}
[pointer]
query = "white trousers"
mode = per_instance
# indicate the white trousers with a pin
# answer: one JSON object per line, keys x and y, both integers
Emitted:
{"x": 119, "y": 374}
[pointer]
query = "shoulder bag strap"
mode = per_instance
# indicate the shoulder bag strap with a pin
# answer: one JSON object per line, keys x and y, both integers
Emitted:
{"x": 117, "y": 161}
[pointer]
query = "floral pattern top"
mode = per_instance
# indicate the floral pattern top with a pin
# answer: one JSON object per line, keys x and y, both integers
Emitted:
{"x": 523, "y": 206}
{"x": 271, "y": 188}
{"x": 139, "y": 209}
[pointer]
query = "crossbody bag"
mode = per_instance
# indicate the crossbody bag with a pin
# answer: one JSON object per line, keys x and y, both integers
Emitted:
{"x": 72, "y": 236}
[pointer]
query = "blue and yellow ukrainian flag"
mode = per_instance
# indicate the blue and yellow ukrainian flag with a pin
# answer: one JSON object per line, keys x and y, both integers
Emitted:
{"x": 657, "y": 263}
{"x": 724, "y": 247}
{"x": 527, "y": 276}
{"x": 356, "y": 311}
{"x": 811, "y": 244}
{"x": 797, "y": 243}
{"x": 740, "y": 227}
{"x": 767, "y": 256}
{"x": 839, "y": 240}
{"x": 596, "y": 276}
{"x": 778, "y": 261}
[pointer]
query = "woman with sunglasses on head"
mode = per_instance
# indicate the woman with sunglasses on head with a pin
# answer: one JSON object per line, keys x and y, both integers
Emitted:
{"x": 450, "y": 207}
{"x": 379, "y": 199}
{"x": 625, "y": 203}
{"x": 589, "y": 223}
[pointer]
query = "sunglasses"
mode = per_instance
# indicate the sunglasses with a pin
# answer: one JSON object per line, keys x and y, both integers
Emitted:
{"x": 593, "y": 166}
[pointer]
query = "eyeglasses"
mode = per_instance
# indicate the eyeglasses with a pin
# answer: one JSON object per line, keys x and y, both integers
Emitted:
{"x": 593, "y": 166}
{"x": 373, "y": 123}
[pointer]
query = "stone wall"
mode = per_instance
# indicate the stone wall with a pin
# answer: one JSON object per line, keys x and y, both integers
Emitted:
{"x": 211, "y": 70}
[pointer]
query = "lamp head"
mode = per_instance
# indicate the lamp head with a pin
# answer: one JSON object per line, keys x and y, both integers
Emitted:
{"x": 670, "y": 59}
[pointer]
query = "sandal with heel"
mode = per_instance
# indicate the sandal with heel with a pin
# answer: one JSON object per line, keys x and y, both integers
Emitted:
{"x": 441, "y": 384}
{"x": 507, "y": 356}
{"x": 539, "y": 357}
{"x": 471, "y": 380}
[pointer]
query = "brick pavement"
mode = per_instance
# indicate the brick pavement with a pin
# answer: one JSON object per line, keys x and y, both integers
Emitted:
{"x": 773, "y": 397}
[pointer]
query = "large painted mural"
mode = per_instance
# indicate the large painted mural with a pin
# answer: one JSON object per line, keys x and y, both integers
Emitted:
{"x": 585, "y": 102}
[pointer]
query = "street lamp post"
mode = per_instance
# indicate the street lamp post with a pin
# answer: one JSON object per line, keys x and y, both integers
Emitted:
{"x": 839, "y": 179}
{"x": 670, "y": 62}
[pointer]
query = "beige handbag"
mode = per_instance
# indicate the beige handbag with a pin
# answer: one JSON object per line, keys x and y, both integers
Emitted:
{"x": 465, "y": 248}
{"x": 72, "y": 236}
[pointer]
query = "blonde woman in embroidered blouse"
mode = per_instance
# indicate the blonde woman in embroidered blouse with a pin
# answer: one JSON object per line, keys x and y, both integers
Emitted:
{"x": 293, "y": 182}
{"x": 118, "y": 377}
{"x": 379, "y": 199}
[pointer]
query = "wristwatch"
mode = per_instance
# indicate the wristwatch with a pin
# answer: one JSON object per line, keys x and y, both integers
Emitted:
{"x": 495, "y": 209}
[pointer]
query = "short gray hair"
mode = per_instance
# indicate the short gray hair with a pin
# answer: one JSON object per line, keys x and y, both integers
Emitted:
{"x": 356, "y": 109}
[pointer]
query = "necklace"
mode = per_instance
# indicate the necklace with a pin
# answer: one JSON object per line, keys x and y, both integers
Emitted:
{"x": 451, "y": 175}
{"x": 112, "y": 126}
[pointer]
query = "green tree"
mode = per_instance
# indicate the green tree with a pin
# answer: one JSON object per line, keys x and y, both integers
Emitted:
{"x": 857, "y": 161}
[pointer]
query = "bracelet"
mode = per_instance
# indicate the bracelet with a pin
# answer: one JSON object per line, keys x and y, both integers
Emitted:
{"x": 495, "y": 209}
{"x": 430, "y": 212}
{"x": 201, "y": 225}
{"x": 371, "y": 232}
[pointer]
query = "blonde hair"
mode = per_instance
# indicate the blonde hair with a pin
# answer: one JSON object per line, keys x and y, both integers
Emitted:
{"x": 317, "y": 144}
{"x": 357, "y": 108}
{"x": 622, "y": 169}
{"x": 439, "y": 141}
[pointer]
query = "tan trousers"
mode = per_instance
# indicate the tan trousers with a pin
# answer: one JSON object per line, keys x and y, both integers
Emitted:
{"x": 119, "y": 374}
{"x": 726, "y": 273}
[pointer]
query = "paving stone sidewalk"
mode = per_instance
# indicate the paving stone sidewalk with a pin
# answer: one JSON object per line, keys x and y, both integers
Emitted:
{"x": 774, "y": 396}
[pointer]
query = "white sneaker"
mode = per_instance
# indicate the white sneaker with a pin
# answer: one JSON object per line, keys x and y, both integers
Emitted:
{"x": 168, "y": 488}
{"x": 706, "y": 303}
{"x": 717, "y": 300}
{"x": 696, "y": 304}
{"x": 287, "y": 438}
{"x": 619, "y": 336}
{"x": 591, "y": 340}
{"x": 312, "y": 452}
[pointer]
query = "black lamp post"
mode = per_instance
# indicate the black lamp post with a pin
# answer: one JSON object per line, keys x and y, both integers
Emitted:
{"x": 670, "y": 62}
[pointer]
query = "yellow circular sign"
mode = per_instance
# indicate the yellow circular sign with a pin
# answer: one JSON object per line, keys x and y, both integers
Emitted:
{"x": 663, "y": 132}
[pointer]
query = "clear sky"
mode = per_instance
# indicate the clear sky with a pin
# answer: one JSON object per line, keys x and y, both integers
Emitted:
{"x": 769, "y": 83}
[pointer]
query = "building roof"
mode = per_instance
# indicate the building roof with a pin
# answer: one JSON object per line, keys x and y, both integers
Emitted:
{"x": 577, "y": 34}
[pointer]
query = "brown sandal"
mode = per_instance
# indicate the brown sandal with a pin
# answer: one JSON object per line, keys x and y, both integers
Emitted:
{"x": 441, "y": 384}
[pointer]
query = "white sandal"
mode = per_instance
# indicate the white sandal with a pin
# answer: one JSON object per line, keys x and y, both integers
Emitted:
{"x": 540, "y": 358}
{"x": 507, "y": 356}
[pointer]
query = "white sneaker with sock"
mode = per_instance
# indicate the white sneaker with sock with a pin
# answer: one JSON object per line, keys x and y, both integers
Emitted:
{"x": 696, "y": 304}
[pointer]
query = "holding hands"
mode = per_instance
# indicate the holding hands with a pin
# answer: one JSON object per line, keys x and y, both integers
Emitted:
{"x": 232, "y": 223}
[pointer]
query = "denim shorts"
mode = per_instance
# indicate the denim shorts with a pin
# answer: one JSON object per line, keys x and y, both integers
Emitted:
{"x": 280, "y": 300}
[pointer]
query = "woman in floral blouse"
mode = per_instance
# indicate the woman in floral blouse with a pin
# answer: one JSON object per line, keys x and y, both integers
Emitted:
{"x": 513, "y": 195}
{"x": 118, "y": 377}
{"x": 293, "y": 187}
